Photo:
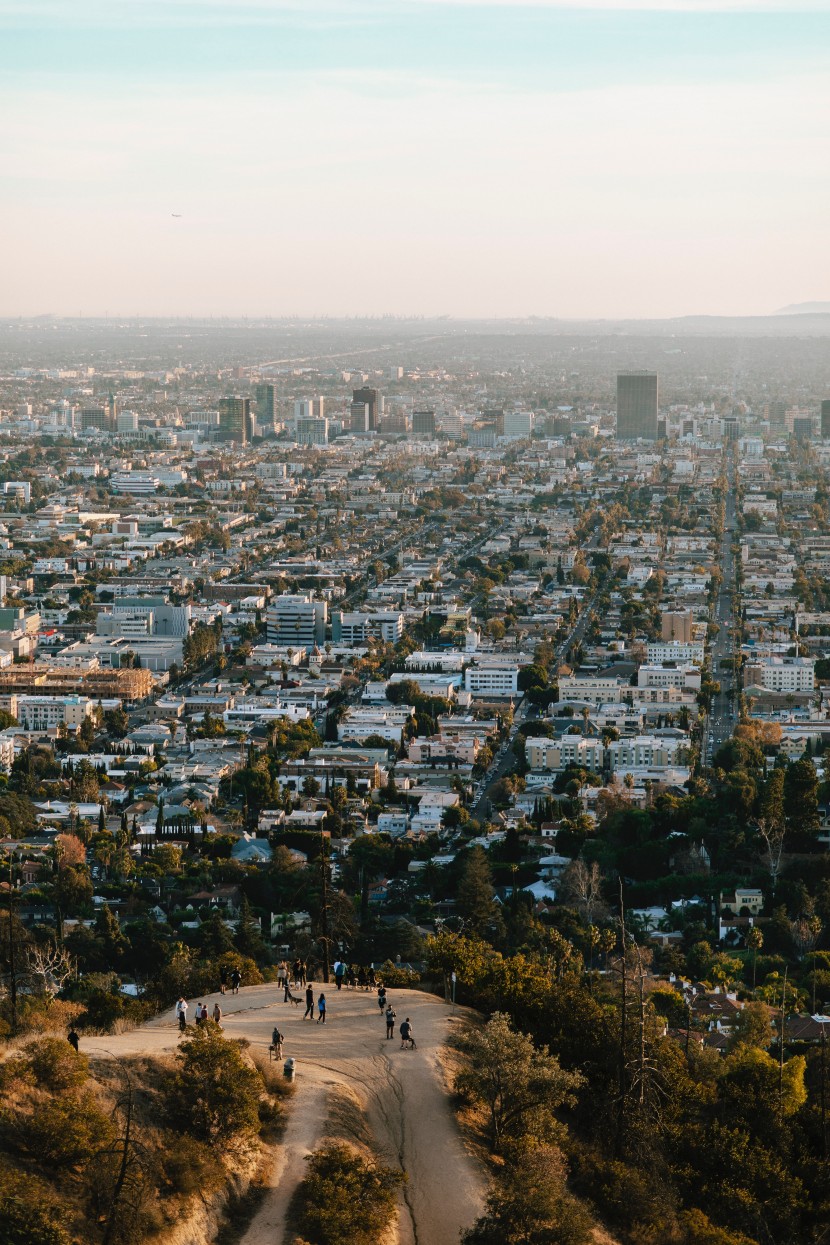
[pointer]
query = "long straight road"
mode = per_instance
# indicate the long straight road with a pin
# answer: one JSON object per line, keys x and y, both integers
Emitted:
{"x": 721, "y": 721}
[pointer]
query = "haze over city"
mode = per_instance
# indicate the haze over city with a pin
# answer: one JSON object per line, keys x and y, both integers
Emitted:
{"x": 468, "y": 159}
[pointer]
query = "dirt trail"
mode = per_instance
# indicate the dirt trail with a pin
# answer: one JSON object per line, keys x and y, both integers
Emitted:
{"x": 402, "y": 1092}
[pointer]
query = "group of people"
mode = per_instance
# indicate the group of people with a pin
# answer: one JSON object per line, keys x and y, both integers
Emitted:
{"x": 235, "y": 978}
{"x": 309, "y": 1004}
{"x": 359, "y": 978}
{"x": 390, "y": 1015}
{"x": 200, "y": 1016}
{"x": 295, "y": 974}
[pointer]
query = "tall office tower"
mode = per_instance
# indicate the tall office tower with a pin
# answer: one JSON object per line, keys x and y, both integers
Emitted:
{"x": 777, "y": 413}
{"x": 374, "y": 402}
{"x": 825, "y": 418}
{"x": 266, "y": 406}
{"x": 95, "y": 417}
{"x": 235, "y": 419}
{"x": 423, "y": 425}
{"x": 359, "y": 417}
{"x": 803, "y": 427}
{"x": 637, "y": 406}
{"x": 112, "y": 413}
{"x": 312, "y": 431}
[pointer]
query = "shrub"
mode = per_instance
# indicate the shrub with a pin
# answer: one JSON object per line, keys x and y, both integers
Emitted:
{"x": 55, "y": 1065}
{"x": 397, "y": 976}
{"x": 344, "y": 1197}
{"x": 29, "y": 1214}
{"x": 213, "y": 1095}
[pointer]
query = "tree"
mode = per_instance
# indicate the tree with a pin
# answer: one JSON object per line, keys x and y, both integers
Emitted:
{"x": 475, "y": 893}
{"x": 521, "y": 1087}
{"x": 801, "y": 798}
{"x": 755, "y": 942}
{"x": 248, "y": 939}
{"x": 213, "y": 1094}
{"x": 529, "y": 1205}
{"x": 345, "y": 1198}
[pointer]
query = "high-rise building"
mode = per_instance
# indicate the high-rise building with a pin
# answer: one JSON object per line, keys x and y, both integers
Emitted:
{"x": 825, "y": 418}
{"x": 803, "y": 427}
{"x": 518, "y": 425}
{"x": 360, "y": 417}
{"x": 423, "y": 425}
{"x": 312, "y": 431}
{"x": 637, "y": 406}
{"x": 373, "y": 400}
{"x": 266, "y": 406}
{"x": 235, "y": 419}
{"x": 297, "y": 621}
{"x": 95, "y": 417}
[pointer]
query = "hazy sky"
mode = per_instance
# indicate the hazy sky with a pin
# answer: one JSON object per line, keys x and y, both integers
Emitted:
{"x": 485, "y": 157}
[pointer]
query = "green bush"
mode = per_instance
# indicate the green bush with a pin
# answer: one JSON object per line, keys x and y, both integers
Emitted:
{"x": 397, "y": 977}
{"x": 214, "y": 1094}
{"x": 344, "y": 1198}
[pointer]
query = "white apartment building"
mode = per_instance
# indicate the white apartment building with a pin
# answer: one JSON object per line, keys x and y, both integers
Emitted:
{"x": 781, "y": 674}
{"x": 492, "y": 680}
{"x": 597, "y": 690}
{"x": 518, "y": 425}
{"x": 297, "y": 621}
{"x": 557, "y": 754}
{"x": 43, "y": 713}
{"x": 652, "y": 751}
{"x": 676, "y": 651}
{"x": 359, "y": 724}
{"x": 354, "y": 629}
{"x": 669, "y": 676}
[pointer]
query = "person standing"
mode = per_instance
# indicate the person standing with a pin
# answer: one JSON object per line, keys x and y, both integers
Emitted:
{"x": 296, "y": 973}
{"x": 73, "y": 1040}
{"x": 223, "y": 979}
{"x": 303, "y": 972}
{"x": 286, "y": 993}
{"x": 198, "y": 1014}
{"x": 204, "y": 1013}
{"x": 282, "y": 973}
{"x": 236, "y": 980}
{"x": 382, "y": 997}
{"x": 390, "y": 1023}
{"x": 309, "y": 1001}
{"x": 217, "y": 1015}
{"x": 406, "y": 1035}
{"x": 321, "y": 1008}
{"x": 339, "y": 974}
{"x": 277, "y": 1040}
{"x": 181, "y": 1014}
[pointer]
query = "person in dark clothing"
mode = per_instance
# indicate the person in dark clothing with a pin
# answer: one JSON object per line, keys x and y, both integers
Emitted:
{"x": 321, "y": 1008}
{"x": 223, "y": 979}
{"x": 339, "y": 974}
{"x": 382, "y": 998}
{"x": 309, "y": 1002}
{"x": 303, "y": 972}
{"x": 277, "y": 1040}
{"x": 390, "y": 1023}
{"x": 286, "y": 992}
{"x": 73, "y": 1040}
{"x": 371, "y": 979}
{"x": 406, "y": 1035}
{"x": 236, "y": 980}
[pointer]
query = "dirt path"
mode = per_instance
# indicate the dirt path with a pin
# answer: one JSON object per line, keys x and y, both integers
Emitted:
{"x": 401, "y": 1091}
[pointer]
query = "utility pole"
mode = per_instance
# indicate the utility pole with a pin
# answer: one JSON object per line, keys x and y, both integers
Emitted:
{"x": 324, "y": 907}
{"x": 12, "y": 960}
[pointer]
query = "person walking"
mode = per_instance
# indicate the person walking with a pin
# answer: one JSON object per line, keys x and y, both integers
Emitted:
{"x": 217, "y": 1015}
{"x": 204, "y": 1013}
{"x": 73, "y": 1040}
{"x": 282, "y": 973}
{"x": 286, "y": 992}
{"x": 390, "y": 1023}
{"x": 309, "y": 1001}
{"x": 303, "y": 972}
{"x": 406, "y": 1035}
{"x": 339, "y": 974}
{"x": 361, "y": 978}
{"x": 382, "y": 997}
{"x": 277, "y": 1040}
{"x": 295, "y": 971}
{"x": 181, "y": 1014}
{"x": 223, "y": 979}
{"x": 236, "y": 981}
{"x": 321, "y": 1008}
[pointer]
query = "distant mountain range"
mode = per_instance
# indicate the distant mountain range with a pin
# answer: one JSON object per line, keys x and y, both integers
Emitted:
{"x": 805, "y": 309}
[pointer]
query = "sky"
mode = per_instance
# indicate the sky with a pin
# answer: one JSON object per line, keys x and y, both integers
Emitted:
{"x": 477, "y": 158}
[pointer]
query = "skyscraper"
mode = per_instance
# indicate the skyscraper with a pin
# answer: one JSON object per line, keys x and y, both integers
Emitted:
{"x": 637, "y": 406}
{"x": 373, "y": 400}
{"x": 423, "y": 425}
{"x": 360, "y": 416}
{"x": 266, "y": 406}
{"x": 825, "y": 418}
{"x": 235, "y": 419}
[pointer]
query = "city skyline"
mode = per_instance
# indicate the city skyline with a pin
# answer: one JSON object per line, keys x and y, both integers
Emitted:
{"x": 474, "y": 159}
